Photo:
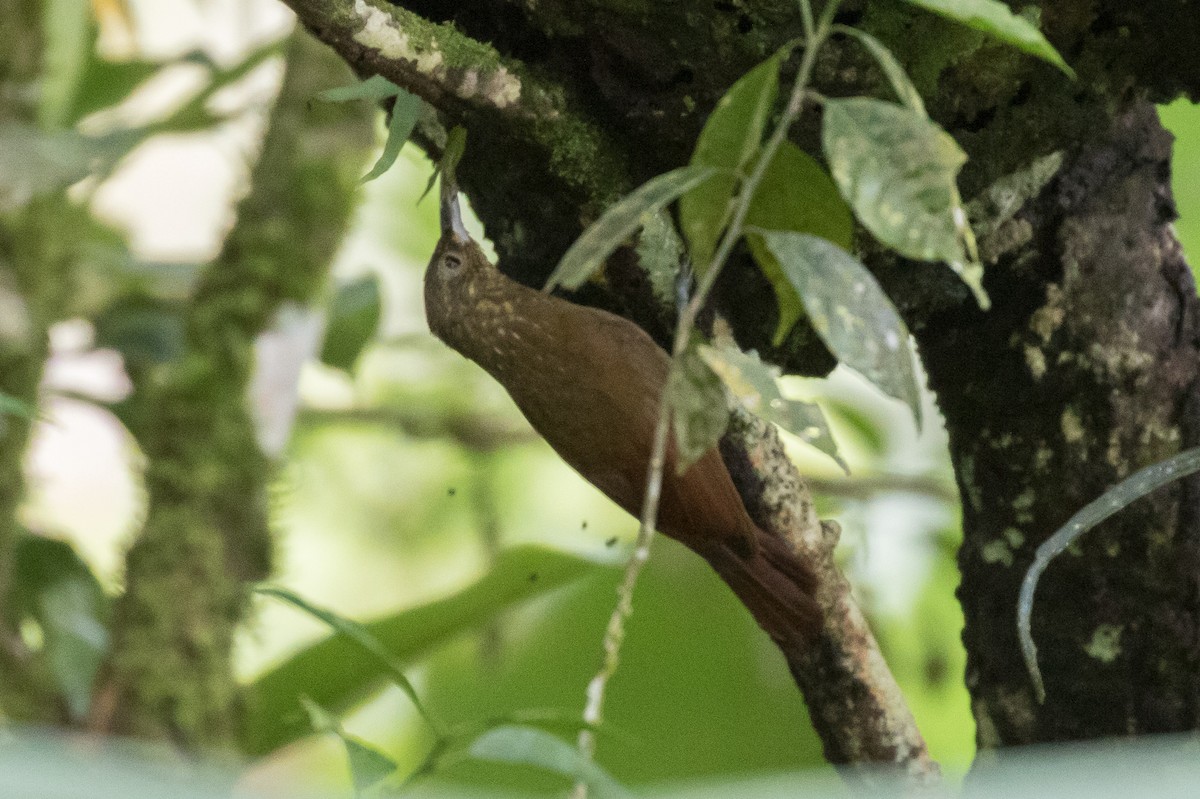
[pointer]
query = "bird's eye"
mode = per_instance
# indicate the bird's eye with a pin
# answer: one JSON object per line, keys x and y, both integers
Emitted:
{"x": 451, "y": 264}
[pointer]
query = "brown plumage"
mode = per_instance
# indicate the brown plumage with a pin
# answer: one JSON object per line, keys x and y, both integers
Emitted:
{"x": 590, "y": 383}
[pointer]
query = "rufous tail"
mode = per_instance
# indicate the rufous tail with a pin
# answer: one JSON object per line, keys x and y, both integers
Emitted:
{"x": 774, "y": 584}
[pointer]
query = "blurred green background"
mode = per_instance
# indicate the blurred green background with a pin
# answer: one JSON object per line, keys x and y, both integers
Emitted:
{"x": 410, "y": 476}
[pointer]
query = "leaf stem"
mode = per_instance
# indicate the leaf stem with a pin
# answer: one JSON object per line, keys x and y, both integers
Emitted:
{"x": 614, "y": 634}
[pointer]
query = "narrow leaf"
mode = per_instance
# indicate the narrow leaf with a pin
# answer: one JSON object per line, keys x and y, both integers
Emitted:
{"x": 338, "y": 673}
{"x": 404, "y": 118}
{"x": 795, "y": 194}
{"x": 456, "y": 145}
{"x": 1117, "y": 498}
{"x": 897, "y": 169}
{"x": 755, "y": 385}
{"x": 699, "y": 414}
{"x": 998, "y": 21}
{"x": 530, "y": 746}
{"x": 362, "y": 638}
{"x": 905, "y": 91}
{"x": 849, "y": 311}
{"x": 729, "y": 141}
{"x": 374, "y": 88}
{"x": 618, "y": 223}
{"x": 368, "y": 766}
{"x": 354, "y": 316}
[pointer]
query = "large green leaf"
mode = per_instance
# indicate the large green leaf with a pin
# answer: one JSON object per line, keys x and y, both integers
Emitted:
{"x": 730, "y": 140}
{"x": 755, "y": 384}
{"x": 530, "y": 746}
{"x": 849, "y": 311}
{"x": 699, "y": 415}
{"x": 795, "y": 194}
{"x": 617, "y": 224}
{"x": 998, "y": 21}
{"x": 336, "y": 673}
{"x": 897, "y": 169}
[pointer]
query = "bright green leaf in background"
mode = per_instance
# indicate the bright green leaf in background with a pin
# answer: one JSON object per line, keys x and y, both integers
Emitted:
{"x": 530, "y": 746}
{"x": 699, "y": 414}
{"x": 755, "y": 384}
{"x": 337, "y": 673}
{"x": 998, "y": 21}
{"x": 618, "y": 223}
{"x": 57, "y": 590}
{"x": 34, "y": 162}
{"x": 795, "y": 194}
{"x": 360, "y": 637}
{"x": 849, "y": 311}
{"x": 730, "y": 140}
{"x": 368, "y": 766}
{"x": 897, "y": 170}
{"x": 354, "y": 316}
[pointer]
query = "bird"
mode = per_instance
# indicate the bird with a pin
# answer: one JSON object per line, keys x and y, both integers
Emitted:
{"x": 590, "y": 382}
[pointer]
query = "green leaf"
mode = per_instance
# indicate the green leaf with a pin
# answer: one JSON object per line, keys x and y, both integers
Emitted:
{"x": 618, "y": 223}
{"x": 374, "y": 89}
{"x": 11, "y": 406}
{"x": 69, "y": 38}
{"x": 905, "y": 91}
{"x": 699, "y": 414}
{"x": 354, "y": 317}
{"x": 756, "y": 386}
{"x": 898, "y": 170}
{"x": 1117, "y": 498}
{"x": 849, "y": 311}
{"x": 795, "y": 194}
{"x": 730, "y": 140}
{"x": 58, "y": 590}
{"x": 362, "y": 638}
{"x": 530, "y": 746}
{"x": 404, "y": 118}
{"x": 998, "y": 21}
{"x": 337, "y": 673}
{"x": 368, "y": 766}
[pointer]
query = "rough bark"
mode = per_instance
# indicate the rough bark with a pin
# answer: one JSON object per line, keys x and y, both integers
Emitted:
{"x": 1082, "y": 372}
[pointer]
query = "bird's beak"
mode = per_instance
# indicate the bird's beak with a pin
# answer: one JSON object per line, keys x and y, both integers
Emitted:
{"x": 452, "y": 224}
